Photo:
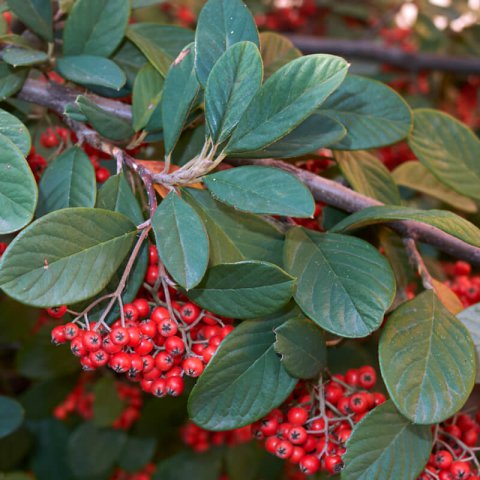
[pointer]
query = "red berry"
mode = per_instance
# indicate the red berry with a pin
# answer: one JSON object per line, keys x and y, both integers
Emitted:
{"x": 102, "y": 174}
{"x": 462, "y": 268}
{"x": 367, "y": 377}
{"x": 175, "y": 386}
{"x": 134, "y": 336}
{"x": 297, "y": 416}
{"x": 142, "y": 306}
{"x": 271, "y": 444}
{"x": 131, "y": 312}
{"x": 119, "y": 336}
{"x": 164, "y": 361}
{"x": 189, "y": 312}
{"x": 378, "y": 398}
{"x": 148, "y": 363}
{"x": 152, "y": 255}
{"x": 145, "y": 347}
{"x": 99, "y": 358}
{"x": 333, "y": 392}
{"x": 207, "y": 353}
{"x": 120, "y": 362}
{"x": 167, "y": 327}
{"x": 59, "y": 335}
{"x": 71, "y": 331}
{"x": 148, "y": 328}
{"x": 443, "y": 459}
{"x": 109, "y": 346}
{"x": 48, "y": 139}
{"x": 297, "y": 454}
{"x": 352, "y": 377}
{"x": 77, "y": 347}
{"x": 470, "y": 437}
{"x": 136, "y": 364}
{"x": 92, "y": 341}
{"x": 57, "y": 312}
{"x": 297, "y": 435}
{"x": 175, "y": 346}
{"x": 193, "y": 367}
{"x": 333, "y": 463}
{"x": 159, "y": 314}
{"x": 284, "y": 449}
{"x": 159, "y": 387}
{"x": 460, "y": 470}
{"x": 358, "y": 403}
{"x": 309, "y": 464}
{"x": 152, "y": 274}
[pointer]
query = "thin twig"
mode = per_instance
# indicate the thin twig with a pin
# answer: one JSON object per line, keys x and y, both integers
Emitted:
{"x": 418, "y": 263}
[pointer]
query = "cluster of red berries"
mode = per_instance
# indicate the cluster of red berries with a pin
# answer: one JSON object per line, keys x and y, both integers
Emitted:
{"x": 155, "y": 344}
{"x": 453, "y": 456}
{"x": 81, "y": 399}
{"x": 312, "y": 426}
{"x": 145, "y": 474}
{"x": 200, "y": 440}
{"x": 179, "y": 13}
{"x": 37, "y": 163}
{"x": 465, "y": 285}
{"x": 394, "y": 155}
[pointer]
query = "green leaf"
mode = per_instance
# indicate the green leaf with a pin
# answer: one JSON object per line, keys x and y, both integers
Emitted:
{"x": 91, "y": 70}
{"x": 286, "y": 99}
{"x": 35, "y": 14}
{"x": 276, "y": 51}
{"x": 11, "y": 415}
{"x": 107, "y": 405}
{"x": 181, "y": 89}
{"x": 69, "y": 181}
{"x": 182, "y": 240}
{"x": 262, "y": 190}
{"x": 66, "y": 256}
{"x": 386, "y": 445}
{"x": 344, "y": 284}
{"x": 95, "y": 28}
{"x": 14, "y": 448}
{"x": 19, "y": 57}
{"x": 17, "y": 40}
{"x": 92, "y": 451}
{"x": 130, "y": 59}
{"x": 232, "y": 83}
{"x": 302, "y": 346}
{"x": 161, "y": 44}
{"x": 244, "y": 289}
{"x": 373, "y": 114}
{"x": 427, "y": 359}
{"x": 18, "y": 189}
{"x": 234, "y": 235}
{"x": 443, "y": 220}
{"x": 416, "y": 177}
{"x": 449, "y": 149}
{"x": 470, "y": 318}
{"x": 147, "y": 93}
{"x": 11, "y": 80}
{"x": 317, "y": 131}
{"x": 137, "y": 452}
{"x": 105, "y": 123}
{"x": 368, "y": 175}
{"x": 221, "y": 24}
{"x": 187, "y": 464}
{"x": 244, "y": 380}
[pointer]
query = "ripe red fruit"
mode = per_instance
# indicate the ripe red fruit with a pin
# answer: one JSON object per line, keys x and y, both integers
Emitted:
{"x": 159, "y": 387}
{"x": 358, "y": 403}
{"x": 142, "y": 306}
{"x": 152, "y": 255}
{"x": 134, "y": 336}
{"x": 167, "y": 327}
{"x": 148, "y": 363}
{"x": 189, "y": 312}
{"x": 57, "y": 312}
{"x": 175, "y": 386}
{"x": 193, "y": 367}
{"x": 460, "y": 470}
{"x": 333, "y": 392}
{"x": 164, "y": 361}
{"x": 175, "y": 346}
{"x": 119, "y": 336}
{"x": 131, "y": 312}
{"x": 159, "y": 314}
{"x": 92, "y": 341}
{"x": 297, "y": 416}
{"x": 148, "y": 328}
{"x": 58, "y": 335}
{"x": 145, "y": 347}
{"x": 367, "y": 377}
{"x": 102, "y": 174}
{"x": 152, "y": 274}
{"x": 309, "y": 464}
{"x": 284, "y": 449}
{"x": 48, "y": 139}
{"x": 271, "y": 444}
{"x": 333, "y": 463}
{"x": 77, "y": 347}
{"x": 71, "y": 331}
{"x": 99, "y": 358}
{"x": 297, "y": 454}
{"x": 109, "y": 346}
{"x": 352, "y": 377}
{"x": 297, "y": 435}
{"x": 470, "y": 437}
{"x": 443, "y": 459}
{"x": 120, "y": 362}
{"x": 207, "y": 353}
{"x": 462, "y": 268}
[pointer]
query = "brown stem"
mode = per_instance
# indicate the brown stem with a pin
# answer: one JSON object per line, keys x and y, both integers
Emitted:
{"x": 417, "y": 262}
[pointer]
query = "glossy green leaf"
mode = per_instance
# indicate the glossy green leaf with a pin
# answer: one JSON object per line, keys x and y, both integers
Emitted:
{"x": 221, "y": 24}
{"x": 373, "y": 114}
{"x": 35, "y": 14}
{"x": 12, "y": 128}
{"x": 69, "y": 181}
{"x": 18, "y": 189}
{"x": 147, "y": 93}
{"x": 344, "y": 284}
{"x": 470, "y": 317}
{"x": 181, "y": 89}
{"x": 130, "y": 59}
{"x": 91, "y": 70}
{"x": 276, "y": 51}
{"x": 137, "y": 452}
{"x": 187, "y": 464}
{"x": 317, "y": 131}
{"x": 182, "y": 240}
{"x": 105, "y": 123}
{"x": 416, "y": 177}
{"x": 107, "y": 405}
{"x": 301, "y": 345}
{"x": 11, "y": 415}
{"x": 244, "y": 381}
{"x": 449, "y": 149}
{"x": 262, "y": 190}
{"x": 19, "y": 57}
{"x": 286, "y": 99}
{"x": 386, "y": 445}
{"x": 161, "y": 44}
{"x": 368, "y": 175}
{"x": 92, "y": 451}
{"x": 244, "y": 289}
{"x": 427, "y": 359}
{"x": 11, "y": 80}
{"x": 66, "y": 256}
{"x": 234, "y": 235}
{"x": 441, "y": 219}
{"x": 232, "y": 83}
{"x": 95, "y": 28}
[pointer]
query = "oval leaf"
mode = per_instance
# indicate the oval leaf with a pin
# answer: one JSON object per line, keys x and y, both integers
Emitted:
{"x": 344, "y": 284}
{"x": 263, "y": 190}
{"x": 182, "y": 240}
{"x": 232, "y": 83}
{"x": 244, "y": 289}
{"x": 276, "y": 51}
{"x": 386, "y": 445}
{"x": 181, "y": 89}
{"x": 91, "y": 70}
{"x": 415, "y": 176}
{"x": 95, "y": 28}
{"x": 69, "y": 181}
{"x": 373, "y": 114}
{"x": 16, "y": 131}
{"x": 221, "y": 24}
{"x": 66, "y": 256}
{"x": 18, "y": 189}
{"x": 441, "y": 219}
{"x": 244, "y": 381}
{"x": 449, "y": 149}
{"x": 11, "y": 415}
{"x": 287, "y": 98}
{"x": 19, "y": 57}
{"x": 470, "y": 317}
{"x": 35, "y": 14}
{"x": 11, "y": 80}
{"x": 302, "y": 346}
{"x": 427, "y": 359}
